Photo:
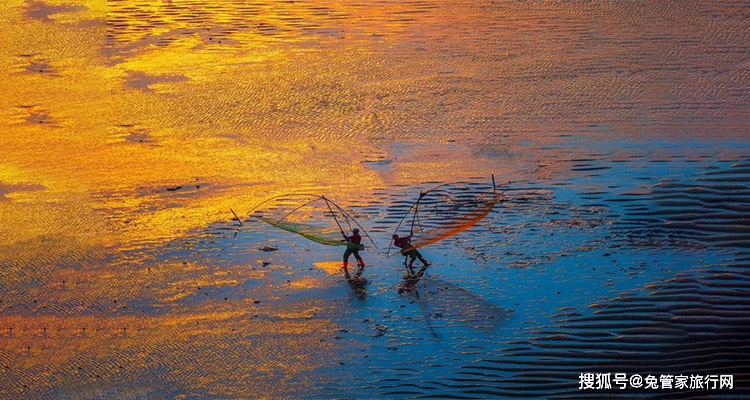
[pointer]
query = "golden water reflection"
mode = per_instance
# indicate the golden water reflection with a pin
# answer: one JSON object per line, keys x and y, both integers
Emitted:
{"x": 129, "y": 127}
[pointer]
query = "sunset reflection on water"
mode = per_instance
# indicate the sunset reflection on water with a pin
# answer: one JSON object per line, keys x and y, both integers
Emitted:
{"x": 130, "y": 129}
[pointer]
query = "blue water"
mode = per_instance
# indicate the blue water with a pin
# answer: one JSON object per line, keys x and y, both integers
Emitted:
{"x": 618, "y": 132}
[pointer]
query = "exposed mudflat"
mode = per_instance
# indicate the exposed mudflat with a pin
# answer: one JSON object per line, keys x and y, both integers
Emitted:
{"x": 618, "y": 133}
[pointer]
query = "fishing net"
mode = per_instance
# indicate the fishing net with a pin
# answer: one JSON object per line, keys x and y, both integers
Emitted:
{"x": 314, "y": 217}
{"x": 327, "y": 236}
{"x": 444, "y": 212}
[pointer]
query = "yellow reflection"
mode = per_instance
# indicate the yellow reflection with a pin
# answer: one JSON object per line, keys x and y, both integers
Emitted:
{"x": 124, "y": 352}
{"x": 330, "y": 267}
{"x": 308, "y": 283}
{"x": 110, "y": 126}
{"x": 129, "y": 124}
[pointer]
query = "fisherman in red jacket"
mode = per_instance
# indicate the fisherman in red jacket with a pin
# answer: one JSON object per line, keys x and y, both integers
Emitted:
{"x": 404, "y": 243}
{"x": 353, "y": 246}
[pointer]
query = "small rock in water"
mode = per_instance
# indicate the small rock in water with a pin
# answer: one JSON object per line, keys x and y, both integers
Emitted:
{"x": 268, "y": 248}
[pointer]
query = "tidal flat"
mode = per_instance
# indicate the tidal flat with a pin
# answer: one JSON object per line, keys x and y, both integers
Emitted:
{"x": 618, "y": 134}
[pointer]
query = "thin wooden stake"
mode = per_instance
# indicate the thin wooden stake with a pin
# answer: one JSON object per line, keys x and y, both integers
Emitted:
{"x": 235, "y": 215}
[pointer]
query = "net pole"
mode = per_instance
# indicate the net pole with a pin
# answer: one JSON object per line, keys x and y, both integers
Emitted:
{"x": 235, "y": 216}
{"x": 419, "y": 224}
{"x": 334, "y": 217}
{"x": 414, "y": 217}
{"x": 346, "y": 214}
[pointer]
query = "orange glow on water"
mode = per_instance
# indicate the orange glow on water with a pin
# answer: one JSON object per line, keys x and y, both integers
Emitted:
{"x": 131, "y": 128}
{"x": 330, "y": 267}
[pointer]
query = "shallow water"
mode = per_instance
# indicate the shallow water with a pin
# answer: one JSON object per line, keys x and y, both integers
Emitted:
{"x": 618, "y": 132}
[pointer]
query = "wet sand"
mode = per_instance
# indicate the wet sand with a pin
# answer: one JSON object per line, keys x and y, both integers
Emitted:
{"x": 618, "y": 133}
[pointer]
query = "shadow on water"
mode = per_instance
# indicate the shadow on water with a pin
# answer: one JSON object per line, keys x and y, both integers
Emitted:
{"x": 622, "y": 245}
{"x": 504, "y": 310}
{"x": 694, "y": 323}
{"x": 358, "y": 285}
{"x": 439, "y": 299}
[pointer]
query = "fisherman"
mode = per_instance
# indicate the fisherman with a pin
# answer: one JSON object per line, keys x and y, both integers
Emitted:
{"x": 353, "y": 246}
{"x": 404, "y": 243}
